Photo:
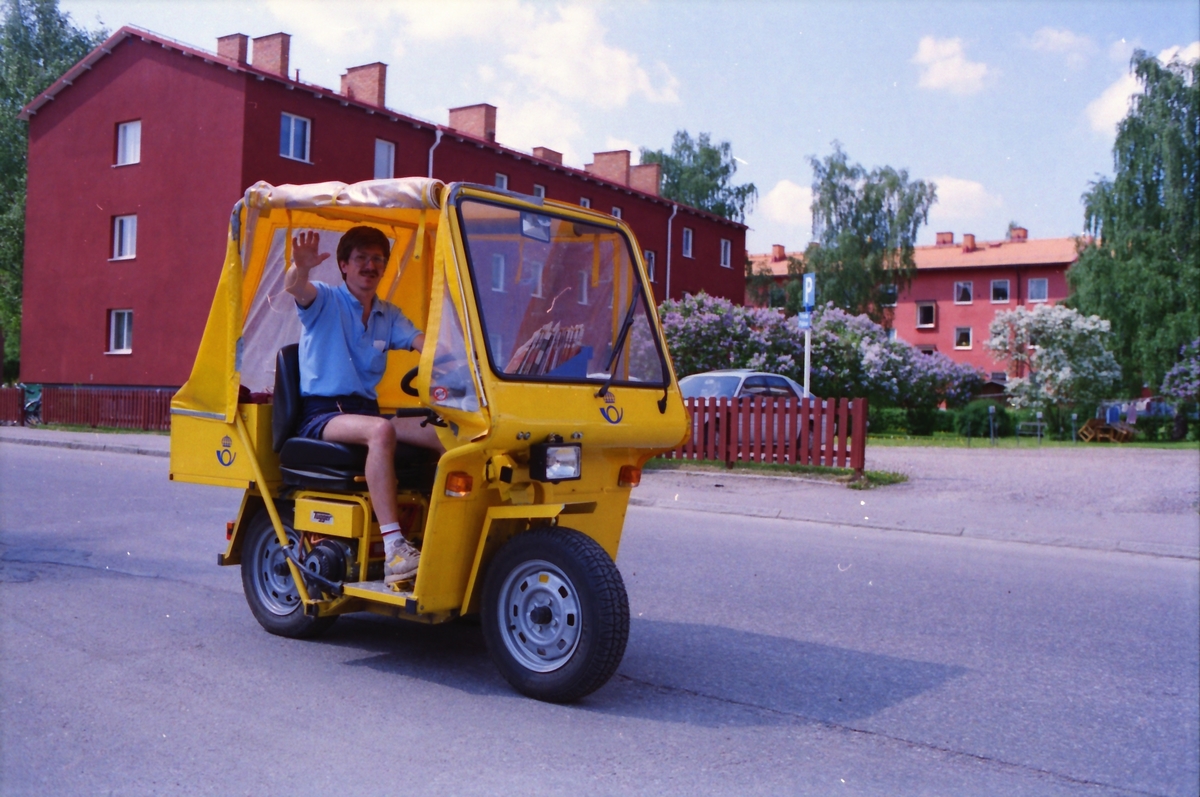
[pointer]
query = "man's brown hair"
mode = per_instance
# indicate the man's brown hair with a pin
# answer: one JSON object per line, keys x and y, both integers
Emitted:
{"x": 359, "y": 238}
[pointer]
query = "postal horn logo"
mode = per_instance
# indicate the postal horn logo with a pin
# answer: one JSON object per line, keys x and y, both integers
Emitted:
{"x": 612, "y": 414}
{"x": 224, "y": 454}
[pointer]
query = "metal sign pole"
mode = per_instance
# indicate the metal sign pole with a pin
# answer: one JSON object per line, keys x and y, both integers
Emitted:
{"x": 807, "y": 359}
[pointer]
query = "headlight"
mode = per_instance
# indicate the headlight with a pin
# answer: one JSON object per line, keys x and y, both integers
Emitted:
{"x": 554, "y": 462}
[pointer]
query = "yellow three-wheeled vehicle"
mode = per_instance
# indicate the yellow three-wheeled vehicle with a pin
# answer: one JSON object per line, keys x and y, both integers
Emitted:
{"x": 545, "y": 371}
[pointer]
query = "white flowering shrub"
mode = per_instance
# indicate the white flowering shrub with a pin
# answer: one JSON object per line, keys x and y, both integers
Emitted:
{"x": 851, "y": 355}
{"x": 1056, "y": 356}
{"x": 1183, "y": 381}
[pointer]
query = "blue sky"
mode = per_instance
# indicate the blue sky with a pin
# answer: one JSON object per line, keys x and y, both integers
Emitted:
{"x": 1009, "y": 107}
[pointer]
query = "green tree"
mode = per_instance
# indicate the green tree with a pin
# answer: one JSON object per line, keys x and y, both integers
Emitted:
{"x": 37, "y": 45}
{"x": 865, "y": 227}
{"x": 1139, "y": 265}
{"x": 700, "y": 173}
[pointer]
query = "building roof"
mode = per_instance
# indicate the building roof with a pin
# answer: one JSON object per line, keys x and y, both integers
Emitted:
{"x": 1031, "y": 252}
{"x": 777, "y": 268}
{"x": 188, "y": 51}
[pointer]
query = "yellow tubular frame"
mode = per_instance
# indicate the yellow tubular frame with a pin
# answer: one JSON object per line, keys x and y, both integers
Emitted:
{"x": 269, "y": 501}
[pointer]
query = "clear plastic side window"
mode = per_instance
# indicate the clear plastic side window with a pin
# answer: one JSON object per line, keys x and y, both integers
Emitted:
{"x": 450, "y": 382}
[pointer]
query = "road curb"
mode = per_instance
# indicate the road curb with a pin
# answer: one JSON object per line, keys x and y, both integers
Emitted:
{"x": 82, "y": 446}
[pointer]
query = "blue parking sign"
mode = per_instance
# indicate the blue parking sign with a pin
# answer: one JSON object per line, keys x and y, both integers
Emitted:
{"x": 810, "y": 291}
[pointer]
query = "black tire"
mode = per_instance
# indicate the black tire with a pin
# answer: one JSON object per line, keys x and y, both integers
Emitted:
{"x": 555, "y": 614}
{"x": 267, "y": 581}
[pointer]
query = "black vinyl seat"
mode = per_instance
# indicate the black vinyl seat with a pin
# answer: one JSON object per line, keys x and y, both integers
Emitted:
{"x": 320, "y": 464}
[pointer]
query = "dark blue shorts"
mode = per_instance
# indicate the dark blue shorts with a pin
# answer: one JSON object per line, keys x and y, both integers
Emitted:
{"x": 319, "y": 410}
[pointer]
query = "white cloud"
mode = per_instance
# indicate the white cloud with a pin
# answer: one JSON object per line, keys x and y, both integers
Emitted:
{"x": 960, "y": 200}
{"x": 1110, "y": 107}
{"x": 1120, "y": 50}
{"x": 540, "y": 122}
{"x": 1107, "y": 110}
{"x": 612, "y": 144}
{"x": 788, "y": 203}
{"x": 1074, "y": 46}
{"x": 945, "y": 66}
{"x": 568, "y": 56}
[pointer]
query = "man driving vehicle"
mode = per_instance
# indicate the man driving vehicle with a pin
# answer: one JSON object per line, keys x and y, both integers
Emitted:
{"x": 346, "y": 334}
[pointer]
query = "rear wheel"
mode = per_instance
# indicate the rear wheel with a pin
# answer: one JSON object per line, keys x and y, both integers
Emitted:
{"x": 555, "y": 614}
{"x": 267, "y": 580}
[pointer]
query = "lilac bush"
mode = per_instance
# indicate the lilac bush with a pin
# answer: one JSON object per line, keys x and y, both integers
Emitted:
{"x": 851, "y": 355}
{"x": 1183, "y": 381}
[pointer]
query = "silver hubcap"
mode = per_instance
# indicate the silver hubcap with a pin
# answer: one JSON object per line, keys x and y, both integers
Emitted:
{"x": 539, "y": 616}
{"x": 273, "y": 585}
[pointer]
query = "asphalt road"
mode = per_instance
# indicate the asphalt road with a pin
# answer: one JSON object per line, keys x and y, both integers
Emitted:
{"x": 767, "y": 655}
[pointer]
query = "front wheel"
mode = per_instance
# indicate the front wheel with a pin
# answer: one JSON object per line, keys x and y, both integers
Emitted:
{"x": 267, "y": 580}
{"x": 555, "y": 614}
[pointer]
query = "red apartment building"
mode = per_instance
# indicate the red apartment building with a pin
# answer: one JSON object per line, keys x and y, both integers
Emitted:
{"x": 138, "y": 153}
{"x": 960, "y": 286}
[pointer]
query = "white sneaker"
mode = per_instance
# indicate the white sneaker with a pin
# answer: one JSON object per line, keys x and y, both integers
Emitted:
{"x": 401, "y": 563}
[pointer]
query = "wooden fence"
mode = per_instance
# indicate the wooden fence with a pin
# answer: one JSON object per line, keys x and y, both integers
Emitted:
{"x": 830, "y": 432}
{"x": 12, "y": 405}
{"x": 118, "y": 408}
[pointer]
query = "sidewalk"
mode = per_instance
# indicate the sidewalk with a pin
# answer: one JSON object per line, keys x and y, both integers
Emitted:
{"x": 153, "y": 445}
{"x": 1134, "y": 500}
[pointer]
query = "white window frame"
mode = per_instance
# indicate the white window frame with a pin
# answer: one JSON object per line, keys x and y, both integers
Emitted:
{"x": 540, "y": 269}
{"x": 726, "y": 253}
{"x": 290, "y": 154}
{"x": 616, "y": 212}
{"x": 539, "y": 191}
{"x": 891, "y": 334}
{"x": 585, "y": 277}
{"x": 120, "y": 320}
{"x": 970, "y": 286}
{"x": 933, "y": 309}
{"x": 501, "y": 181}
{"x": 584, "y": 202}
{"x": 648, "y": 256}
{"x": 129, "y": 143}
{"x": 498, "y": 268}
{"x": 686, "y": 247}
{"x": 970, "y": 338}
{"x": 385, "y": 159}
{"x": 1045, "y": 283}
{"x": 999, "y": 376}
{"x": 124, "y": 237}
{"x": 1007, "y": 291}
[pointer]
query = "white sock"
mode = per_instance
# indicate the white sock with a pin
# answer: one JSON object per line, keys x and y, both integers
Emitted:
{"x": 392, "y": 538}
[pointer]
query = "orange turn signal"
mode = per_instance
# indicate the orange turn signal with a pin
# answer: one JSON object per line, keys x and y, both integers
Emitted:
{"x": 458, "y": 484}
{"x": 629, "y": 476}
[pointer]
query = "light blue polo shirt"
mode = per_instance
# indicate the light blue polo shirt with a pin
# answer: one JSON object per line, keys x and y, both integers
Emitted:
{"x": 339, "y": 355}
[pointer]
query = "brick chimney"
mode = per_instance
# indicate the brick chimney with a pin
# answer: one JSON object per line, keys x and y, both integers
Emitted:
{"x": 547, "y": 154}
{"x": 968, "y": 242}
{"x": 613, "y": 166}
{"x": 366, "y": 83}
{"x": 235, "y": 47}
{"x": 1018, "y": 235}
{"x": 271, "y": 53}
{"x": 778, "y": 253}
{"x": 945, "y": 239}
{"x": 475, "y": 120}
{"x": 646, "y": 177}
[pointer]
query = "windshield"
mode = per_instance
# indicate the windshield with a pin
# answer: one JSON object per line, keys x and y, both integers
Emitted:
{"x": 704, "y": 386}
{"x": 554, "y": 294}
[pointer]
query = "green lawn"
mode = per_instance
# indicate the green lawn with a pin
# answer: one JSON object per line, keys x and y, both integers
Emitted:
{"x": 871, "y": 478}
{"x": 947, "y": 440}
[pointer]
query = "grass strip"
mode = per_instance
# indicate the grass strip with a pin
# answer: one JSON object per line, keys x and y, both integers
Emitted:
{"x": 871, "y": 478}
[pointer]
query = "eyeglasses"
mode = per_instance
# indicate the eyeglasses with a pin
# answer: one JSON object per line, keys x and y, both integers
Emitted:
{"x": 362, "y": 260}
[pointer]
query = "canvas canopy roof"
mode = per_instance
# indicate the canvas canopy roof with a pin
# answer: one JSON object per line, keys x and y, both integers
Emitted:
{"x": 251, "y": 317}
